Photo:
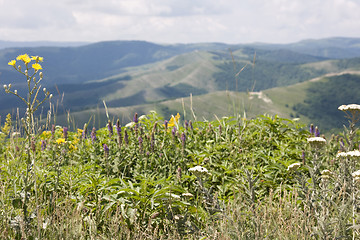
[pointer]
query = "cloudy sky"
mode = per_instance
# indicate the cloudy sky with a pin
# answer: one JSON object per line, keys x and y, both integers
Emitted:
{"x": 178, "y": 21}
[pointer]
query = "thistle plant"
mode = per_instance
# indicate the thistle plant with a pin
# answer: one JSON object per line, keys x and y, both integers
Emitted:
{"x": 33, "y": 77}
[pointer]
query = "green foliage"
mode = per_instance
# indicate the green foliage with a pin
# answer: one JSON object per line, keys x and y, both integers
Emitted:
{"x": 147, "y": 182}
{"x": 324, "y": 97}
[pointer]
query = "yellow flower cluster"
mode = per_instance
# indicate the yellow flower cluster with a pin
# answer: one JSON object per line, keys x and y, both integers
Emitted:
{"x": 174, "y": 120}
{"x": 60, "y": 140}
{"x": 26, "y": 59}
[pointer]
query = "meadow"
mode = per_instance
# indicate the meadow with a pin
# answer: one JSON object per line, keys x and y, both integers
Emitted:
{"x": 154, "y": 178}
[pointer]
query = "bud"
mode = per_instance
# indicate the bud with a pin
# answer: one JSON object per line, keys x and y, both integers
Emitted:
{"x": 5, "y": 86}
{"x": 41, "y": 75}
{"x": 15, "y": 91}
{"x": 44, "y": 89}
{"x": 9, "y": 86}
{"x": 50, "y": 97}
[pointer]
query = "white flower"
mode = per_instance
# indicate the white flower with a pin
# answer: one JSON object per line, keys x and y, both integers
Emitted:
{"x": 356, "y": 174}
{"x": 341, "y": 154}
{"x": 130, "y": 124}
{"x": 199, "y": 170}
{"x": 352, "y": 154}
{"x": 350, "y": 107}
{"x": 294, "y": 166}
{"x": 142, "y": 117}
{"x": 316, "y": 142}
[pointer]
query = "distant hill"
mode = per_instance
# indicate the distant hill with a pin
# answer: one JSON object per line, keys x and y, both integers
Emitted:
{"x": 132, "y": 74}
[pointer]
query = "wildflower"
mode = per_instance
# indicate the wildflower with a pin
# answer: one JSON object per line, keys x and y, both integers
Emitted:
{"x": 130, "y": 125}
{"x": 93, "y": 135}
{"x": 350, "y": 107}
{"x": 140, "y": 140}
{"x": 303, "y": 157}
{"x": 37, "y": 58}
{"x": 186, "y": 123}
{"x": 341, "y": 154}
{"x": 84, "y": 131}
{"x": 190, "y": 124}
{"x": 65, "y": 131}
{"x": 135, "y": 118}
{"x": 166, "y": 123}
{"x": 52, "y": 131}
{"x": 294, "y": 166}
{"x": 110, "y": 128}
{"x": 183, "y": 139}
{"x": 12, "y": 63}
{"x": 173, "y": 131}
{"x": 24, "y": 57}
{"x": 118, "y": 128}
{"x": 356, "y": 175}
{"x": 43, "y": 145}
{"x": 351, "y": 154}
{"x": 174, "y": 120}
{"x": 317, "y": 132}
{"x": 316, "y": 142}
{"x": 126, "y": 137}
{"x": 106, "y": 150}
{"x": 142, "y": 117}
{"x": 198, "y": 170}
{"x": 60, "y": 140}
{"x": 312, "y": 129}
{"x": 36, "y": 67}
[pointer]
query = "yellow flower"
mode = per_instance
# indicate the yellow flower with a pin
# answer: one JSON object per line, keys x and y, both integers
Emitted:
{"x": 79, "y": 131}
{"x": 24, "y": 57}
{"x": 174, "y": 120}
{"x": 37, "y": 58}
{"x": 36, "y": 66}
{"x": 60, "y": 140}
{"x": 45, "y": 134}
{"x": 12, "y": 63}
{"x": 72, "y": 148}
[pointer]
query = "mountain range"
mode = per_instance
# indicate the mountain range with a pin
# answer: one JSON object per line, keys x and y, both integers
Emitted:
{"x": 222, "y": 79}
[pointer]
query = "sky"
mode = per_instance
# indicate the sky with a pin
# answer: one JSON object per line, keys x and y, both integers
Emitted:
{"x": 178, "y": 21}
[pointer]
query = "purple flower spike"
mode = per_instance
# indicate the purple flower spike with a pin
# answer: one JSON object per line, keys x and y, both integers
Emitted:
{"x": 166, "y": 122}
{"x": 118, "y": 127}
{"x": 53, "y": 131}
{"x": 84, "y": 133}
{"x": 126, "y": 137}
{"x": 140, "y": 140}
{"x": 106, "y": 149}
{"x": 135, "y": 119}
{"x": 43, "y": 145}
{"x": 312, "y": 130}
{"x": 183, "y": 138}
{"x": 173, "y": 131}
{"x": 93, "y": 135}
{"x": 186, "y": 124}
{"x": 317, "y": 132}
{"x": 190, "y": 124}
{"x": 110, "y": 128}
{"x": 65, "y": 131}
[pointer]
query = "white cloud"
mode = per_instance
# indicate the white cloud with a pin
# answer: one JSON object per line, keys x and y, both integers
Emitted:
{"x": 178, "y": 21}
